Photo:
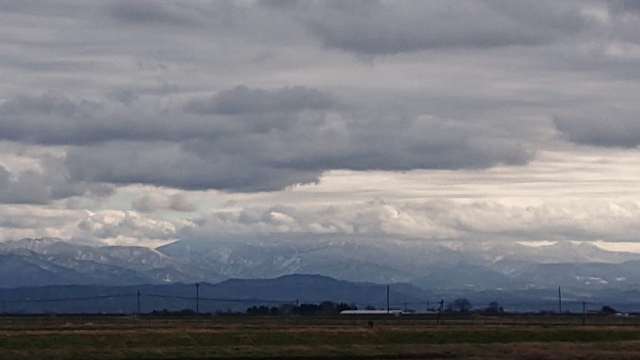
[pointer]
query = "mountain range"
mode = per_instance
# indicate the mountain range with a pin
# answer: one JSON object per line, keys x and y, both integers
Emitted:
{"x": 433, "y": 266}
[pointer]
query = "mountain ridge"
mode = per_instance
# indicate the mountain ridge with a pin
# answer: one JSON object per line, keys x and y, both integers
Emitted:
{"x": 434, "y": 266}
{"x": 234, "y": 294}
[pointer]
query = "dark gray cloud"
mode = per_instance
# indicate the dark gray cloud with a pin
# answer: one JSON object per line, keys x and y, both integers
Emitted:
{"x": 44, "y": 8}
{"x": 59, "y": 120}
{"x": 612, "y": 128}
{"x": 155, "y": 202}
{"x": 243, "y": 100}
{"x": 624, "y": 6}
{"x": 280, "y": 4}
{"x": 296, "y": 139}
{"x": 55, "y": 119}
{"x": 377, "y": 28}
{"x": 168, "y": 165}
{"x": 125, "y": 96}
{"x": 151, "y": 11}
{"x": 245, "y": 139}
{"x": 48, "y": 104}
{"x": 274, "y": 160}
{"x": 43, "y": 187}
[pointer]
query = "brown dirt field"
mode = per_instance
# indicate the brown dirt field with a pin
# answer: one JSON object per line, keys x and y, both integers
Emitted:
{"x": 53, "y": 339}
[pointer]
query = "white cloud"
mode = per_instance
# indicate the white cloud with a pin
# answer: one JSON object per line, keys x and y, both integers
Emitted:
{"x": 126, "y": 227}
{"x": 475, "y": 220}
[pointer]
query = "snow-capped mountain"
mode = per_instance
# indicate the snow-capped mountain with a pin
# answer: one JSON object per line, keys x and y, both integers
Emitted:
{"x": 441, "y": 266}
{"x": 68, "y": 263}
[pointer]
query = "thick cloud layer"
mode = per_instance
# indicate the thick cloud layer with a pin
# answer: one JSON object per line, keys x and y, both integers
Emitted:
{"x": 49, "y": 184}
{"x": 243, "y": 100}
{"x": 606, "y": 127}
{"x": 245, "y": 139}
{"x": 434, "y": 220}
{"x": 155, "y": 201}
{"x": 149, "y": 118}
{"x": 378, "y": 28}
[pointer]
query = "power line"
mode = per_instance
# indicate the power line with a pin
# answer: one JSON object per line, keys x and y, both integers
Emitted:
{"x": 69, "y": 299}
{"x": 575, "y": 305}
{"x": 265, "y": 301}
{"x": 235, "y": 300}
{"x": 169, "y": 296}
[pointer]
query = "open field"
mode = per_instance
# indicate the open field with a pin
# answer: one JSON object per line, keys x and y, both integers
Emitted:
{"x": 316, "y": 338}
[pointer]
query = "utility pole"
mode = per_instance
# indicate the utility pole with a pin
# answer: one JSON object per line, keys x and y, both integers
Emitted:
{"x": 197, "y": 299}
{"x": 584, "y": 313}
{"x": 388, "y": 308}
{"x": 138, "y": 310}
{"x": 440, "y": 313}
{"x": 559, "y": 301}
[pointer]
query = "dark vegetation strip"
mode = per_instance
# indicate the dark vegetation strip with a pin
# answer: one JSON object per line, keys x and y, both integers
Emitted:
{"x": 188, "y": 337}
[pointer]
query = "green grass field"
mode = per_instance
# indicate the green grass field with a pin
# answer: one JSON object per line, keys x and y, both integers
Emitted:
{"x": 315, "y": 338}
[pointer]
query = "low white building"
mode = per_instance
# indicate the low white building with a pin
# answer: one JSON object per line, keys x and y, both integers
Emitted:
{"x": 371, "y": 312}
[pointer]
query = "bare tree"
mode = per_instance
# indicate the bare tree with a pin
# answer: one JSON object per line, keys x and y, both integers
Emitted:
{"x": 493, "y": 308}
{"x": 462, "y": 305}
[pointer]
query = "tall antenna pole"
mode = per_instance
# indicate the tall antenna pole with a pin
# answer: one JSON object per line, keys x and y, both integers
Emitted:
{"x": 559, "y": 300}
{"x": 197, "y": 299}
{"x": 388, "y": 309}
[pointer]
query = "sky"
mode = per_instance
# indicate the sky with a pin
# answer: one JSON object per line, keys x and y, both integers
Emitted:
{"x": 142, "y": 122}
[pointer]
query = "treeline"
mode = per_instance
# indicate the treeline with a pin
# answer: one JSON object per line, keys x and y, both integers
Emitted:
{"x": 324, "y": 308}
{"x": 463, "y": 306}
{"x": 460, "y": 306}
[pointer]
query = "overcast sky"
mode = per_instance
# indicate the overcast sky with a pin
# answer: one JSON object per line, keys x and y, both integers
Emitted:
{"x": 142, "y": 122}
